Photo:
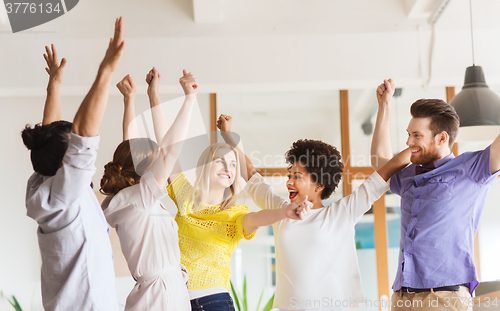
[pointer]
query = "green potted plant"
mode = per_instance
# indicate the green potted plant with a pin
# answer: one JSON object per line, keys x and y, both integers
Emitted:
{"x": 14, "y": 303}
{"x": 243, "y": 298}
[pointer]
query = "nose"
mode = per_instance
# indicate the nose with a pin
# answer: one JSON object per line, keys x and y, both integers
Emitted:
{"x": 409, "y": 141}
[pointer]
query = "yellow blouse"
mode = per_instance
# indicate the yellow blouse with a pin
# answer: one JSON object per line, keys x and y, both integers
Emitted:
{"x": 207, "y": 238}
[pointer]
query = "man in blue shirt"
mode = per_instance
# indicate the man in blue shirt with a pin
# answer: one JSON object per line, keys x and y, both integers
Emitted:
{"x": 442, "y": 198}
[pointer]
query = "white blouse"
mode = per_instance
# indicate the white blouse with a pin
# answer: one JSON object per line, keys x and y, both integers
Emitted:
{"x": 150, "y": 243}
{"x": 77, "y": 260}
{"x": 316, "y": 262}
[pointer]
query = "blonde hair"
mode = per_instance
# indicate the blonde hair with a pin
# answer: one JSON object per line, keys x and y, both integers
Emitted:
{"x": 202, "y": 184}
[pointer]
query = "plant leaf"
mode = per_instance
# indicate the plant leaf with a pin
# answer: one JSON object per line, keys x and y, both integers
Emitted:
{"x": 260, "y": 299}
{"x": 15, "y": 303}
{"x": 245, "y": 305}
{"x": 236, "y": 300}
{"x": 269, "y": 304}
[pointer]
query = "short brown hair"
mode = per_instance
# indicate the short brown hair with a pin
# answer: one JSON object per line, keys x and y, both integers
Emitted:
{"x": 443, "y": 117}
{"x": 121, "y": 172}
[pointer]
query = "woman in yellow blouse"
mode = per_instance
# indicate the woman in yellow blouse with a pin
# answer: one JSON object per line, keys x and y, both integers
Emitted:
{"x": 211, "y": 225}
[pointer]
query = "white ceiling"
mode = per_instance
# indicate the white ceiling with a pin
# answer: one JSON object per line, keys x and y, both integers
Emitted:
{"x": 261, "y": 45}
{"x": 176, "y": 18}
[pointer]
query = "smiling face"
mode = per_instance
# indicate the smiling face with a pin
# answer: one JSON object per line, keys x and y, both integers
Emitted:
{"x": 223, "y": 168}
{"x": 300, "y": 184}
{"x": 423, "y": 145}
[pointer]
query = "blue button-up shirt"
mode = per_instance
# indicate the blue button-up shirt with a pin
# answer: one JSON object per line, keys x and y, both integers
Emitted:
{"x": 440, "y": 212}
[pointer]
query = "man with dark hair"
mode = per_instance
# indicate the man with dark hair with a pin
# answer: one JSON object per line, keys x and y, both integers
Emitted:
{"x": 77, "y": 262}
{"x": 442, "y": 198}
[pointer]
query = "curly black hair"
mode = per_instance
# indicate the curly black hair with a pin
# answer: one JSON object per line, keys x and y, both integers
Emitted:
{"x": 321, "y": 160}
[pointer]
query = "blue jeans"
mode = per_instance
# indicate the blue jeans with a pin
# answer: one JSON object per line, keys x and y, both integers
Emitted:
{"x": 216, "y": 302}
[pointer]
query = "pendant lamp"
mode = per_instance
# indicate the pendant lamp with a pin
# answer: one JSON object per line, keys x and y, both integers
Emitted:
{"x": 477, "y": 106}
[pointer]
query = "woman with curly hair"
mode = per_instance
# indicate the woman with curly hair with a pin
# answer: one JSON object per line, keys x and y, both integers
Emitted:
{"x": 316, "y": 261}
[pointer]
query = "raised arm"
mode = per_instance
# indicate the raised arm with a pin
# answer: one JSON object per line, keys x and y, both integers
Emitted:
{"x": 381, "y": 150}
{"x": 160, "y": 124}
{"x": 224, "y": 125}
{"x": 394, "y": 165}
{"x": 171, "y": 144}
{"x": 254, "y": 220}
{"x": 52, "y": 111}
{"x": 128, "y": 89}
{"x": 495, "y": 155}
{"x": 89, "y": 116}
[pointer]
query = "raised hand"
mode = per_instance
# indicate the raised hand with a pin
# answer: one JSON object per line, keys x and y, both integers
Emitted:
{"x": 54, "y": 69}
{"x": 224, "y": 123}
{"x": 114, "y": 52}
{"x": 153, "y": 79}
{"x": 385, "y": 91}
{"x": 298, "y": 210}
{"x": 89, "y": 116}
{"x": 128, "y": 89}
{"x": 381, "y": 149}
{"x": 52, "y": 110}
{"x": 188, "y": 83}
{"x": 127, "y": 86}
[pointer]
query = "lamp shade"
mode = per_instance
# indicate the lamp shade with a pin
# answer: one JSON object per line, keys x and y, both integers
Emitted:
{"x": 476, "y": 104}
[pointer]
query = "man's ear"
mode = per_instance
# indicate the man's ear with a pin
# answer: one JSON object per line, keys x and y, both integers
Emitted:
{"x": 443, "y": 138}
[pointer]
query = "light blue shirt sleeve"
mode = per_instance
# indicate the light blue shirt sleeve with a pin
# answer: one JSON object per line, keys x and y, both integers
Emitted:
{"x": 50, "y": 200}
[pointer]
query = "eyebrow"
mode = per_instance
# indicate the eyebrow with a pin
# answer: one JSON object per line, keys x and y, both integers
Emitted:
{"x": 413, "y": 132}
{"x": 221, "y": 158}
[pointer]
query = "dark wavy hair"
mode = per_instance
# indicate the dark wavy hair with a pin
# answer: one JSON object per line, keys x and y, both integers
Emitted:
{"x": 132, "y": 159}
{"x": 48, "y": 144}
{"x": 321, "y": 160}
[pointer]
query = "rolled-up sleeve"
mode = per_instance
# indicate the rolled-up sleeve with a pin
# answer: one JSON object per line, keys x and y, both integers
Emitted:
{"x": 56, "y": 194}
{"x": 478, "y": 166}
{"x": 77, "y": 170}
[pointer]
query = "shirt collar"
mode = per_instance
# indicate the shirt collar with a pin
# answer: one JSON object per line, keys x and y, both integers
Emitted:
{"x": 444, "y": 160}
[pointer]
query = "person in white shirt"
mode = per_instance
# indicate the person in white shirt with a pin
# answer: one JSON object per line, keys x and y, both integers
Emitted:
{"x": 77, "y": 263}
{"x": 135, "y": 182}
{"x": 316, "y": 261}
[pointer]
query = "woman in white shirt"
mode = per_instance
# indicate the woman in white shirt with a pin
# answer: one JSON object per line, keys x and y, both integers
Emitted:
{"x": 317, "y": 267}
